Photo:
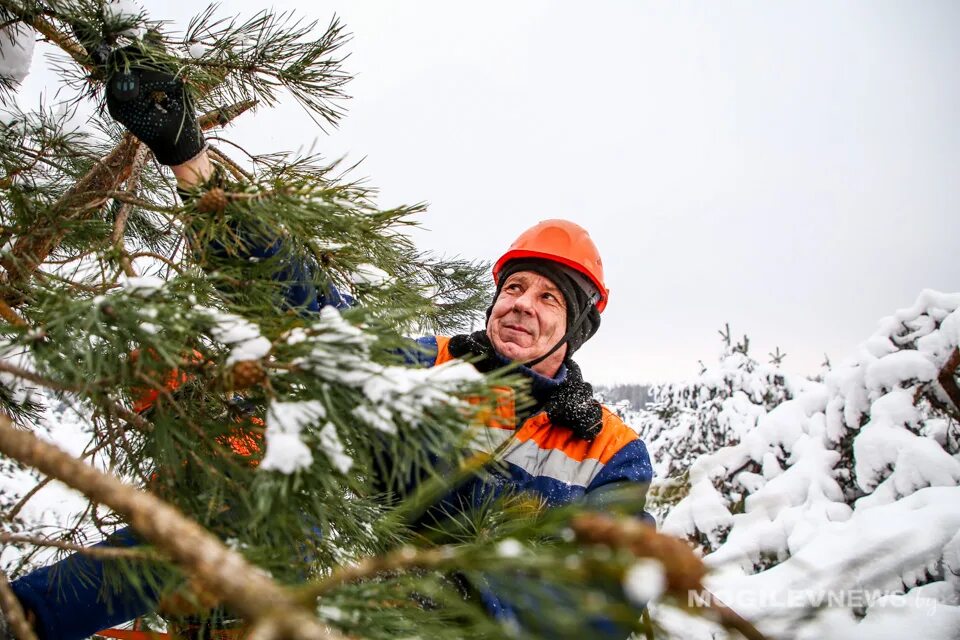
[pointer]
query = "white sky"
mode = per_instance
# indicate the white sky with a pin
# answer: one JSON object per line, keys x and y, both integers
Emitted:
{"x": 788, "y": 167}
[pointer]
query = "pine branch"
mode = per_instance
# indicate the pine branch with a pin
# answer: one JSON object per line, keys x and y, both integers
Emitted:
{"x": 30, "y": 251}
{"x": 122, "y": 412}
{"x": 35, "y": 378}
{"x": 683, "y": 569}
{"x": 13, "y": 611}
{"x": 50, "y": 31}
{"x": 156, "y": 256}
{"x": 10, "y": 315}
{"x": 399, "y": 560}
{"x": 88, "y": 194}
{"x": 219, "y": 570}
{"x": 94, "y": 552}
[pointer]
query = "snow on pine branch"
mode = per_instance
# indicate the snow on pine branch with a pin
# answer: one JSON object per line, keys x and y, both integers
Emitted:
{"x": 16, "y": 51}
{"x": 391, "y": 392}
{"x": 340, "y": 352}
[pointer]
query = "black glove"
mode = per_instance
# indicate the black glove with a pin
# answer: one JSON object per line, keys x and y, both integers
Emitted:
{"x": 154, "y": 105}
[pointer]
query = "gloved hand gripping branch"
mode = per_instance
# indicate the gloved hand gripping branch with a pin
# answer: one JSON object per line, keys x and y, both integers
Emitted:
{"x": 154, "y": 105}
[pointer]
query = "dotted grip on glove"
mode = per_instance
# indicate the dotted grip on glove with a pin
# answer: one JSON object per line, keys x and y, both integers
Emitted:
{"x": 153, "y": 105}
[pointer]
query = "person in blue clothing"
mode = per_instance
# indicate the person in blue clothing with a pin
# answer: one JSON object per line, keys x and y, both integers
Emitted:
{"x": 550, "y": 292}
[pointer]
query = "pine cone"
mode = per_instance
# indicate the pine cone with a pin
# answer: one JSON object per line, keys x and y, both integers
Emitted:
{"x": 247, "y": 373}
{"x": 213, "y": 201}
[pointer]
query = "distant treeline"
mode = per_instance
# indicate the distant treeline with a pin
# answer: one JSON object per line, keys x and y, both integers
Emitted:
{"x": 638, "y": 395}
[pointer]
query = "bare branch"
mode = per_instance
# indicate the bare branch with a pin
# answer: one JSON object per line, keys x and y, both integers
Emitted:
{"x": 947, "y": 379}
{"x": 237, "y": 171}
{"x": 401, "y": 559}
{"x": 96, "y": 552}
{"x": 35, "y": 378}
{"x": 10, "y": 315}
{"x": 133, "y": 185}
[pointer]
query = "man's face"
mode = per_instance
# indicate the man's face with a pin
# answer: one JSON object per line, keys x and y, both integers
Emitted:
{"x": 528, "y": 318}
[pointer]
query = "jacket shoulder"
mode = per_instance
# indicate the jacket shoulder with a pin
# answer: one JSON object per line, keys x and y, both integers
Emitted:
{"x": 614, "y": 435}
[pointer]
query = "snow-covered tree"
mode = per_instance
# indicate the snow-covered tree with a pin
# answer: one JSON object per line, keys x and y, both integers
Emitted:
{"x": 849, "y": 487}
{"x": 715, "y": 409}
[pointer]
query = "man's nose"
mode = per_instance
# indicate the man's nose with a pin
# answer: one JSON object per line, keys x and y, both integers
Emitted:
{"x": 524, "y": 302}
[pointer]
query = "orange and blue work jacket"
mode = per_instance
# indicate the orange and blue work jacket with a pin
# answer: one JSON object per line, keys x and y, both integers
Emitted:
{"x": 543, "y": 459}
{"x": 552, "y": 463}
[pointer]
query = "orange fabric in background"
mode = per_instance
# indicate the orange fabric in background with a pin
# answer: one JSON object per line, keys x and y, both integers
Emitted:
{"x": 241, "y": 441}
{"x": 146, "y": 397}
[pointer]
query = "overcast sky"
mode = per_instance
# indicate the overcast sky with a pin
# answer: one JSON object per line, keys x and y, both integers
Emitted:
{"x": 788, "y": 167}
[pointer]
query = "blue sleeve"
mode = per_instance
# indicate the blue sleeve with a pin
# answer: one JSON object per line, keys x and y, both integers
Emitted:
{"x": 422, "y": 352}
{"x": 296, "y": 273}
{"x": 626, "y": 475}
{"x": 72, "y": 599}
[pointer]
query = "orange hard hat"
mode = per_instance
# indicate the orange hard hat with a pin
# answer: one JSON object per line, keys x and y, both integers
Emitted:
{"x": 560, "y": 241}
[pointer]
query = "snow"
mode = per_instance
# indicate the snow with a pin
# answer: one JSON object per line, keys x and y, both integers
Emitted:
{"x": 846, "y": 495}
{"x": 903, "y": 366}
{"x": 16, "y": 51}
{"x": 916, "y": 462}
{"x": 703, "y": 510}
{"x": 331, "y": 445}
{"x": 644, "y": 581}
{"x": 370, "y": 275}
{"x": 56, "y": 507}
{"x": 394, "y": 394}
{"x": 143, "y": 286}
{"x": 127, "y": 12}
{"x": 509, "y": 548}
{"x": 286, "y": 452}
{"x": 377, "y": 417}
{"x": 327, "y": 612}
{"x": 240, "y": 334}
{"x": 197, "y": 50}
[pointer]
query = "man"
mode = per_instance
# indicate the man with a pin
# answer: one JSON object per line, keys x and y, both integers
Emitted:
{"x": 550, "y": 292}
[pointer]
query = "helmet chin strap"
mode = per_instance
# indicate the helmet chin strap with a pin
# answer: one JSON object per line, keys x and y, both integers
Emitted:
{"x": 577, "y": 321}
